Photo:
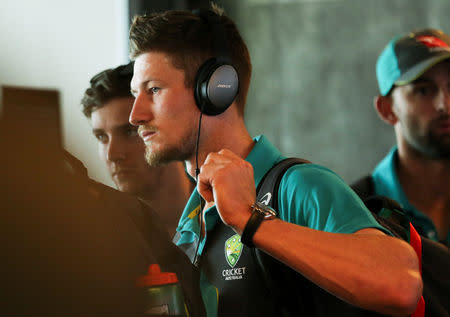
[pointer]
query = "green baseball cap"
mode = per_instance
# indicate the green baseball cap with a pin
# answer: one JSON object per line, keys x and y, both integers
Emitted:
{"x": 407, "y": 57}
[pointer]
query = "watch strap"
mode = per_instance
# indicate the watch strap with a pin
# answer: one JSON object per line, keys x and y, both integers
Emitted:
{"x": 252, "y": 225}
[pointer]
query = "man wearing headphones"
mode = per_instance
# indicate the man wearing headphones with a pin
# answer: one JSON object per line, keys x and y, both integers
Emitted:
{"x": 191, "y": 78}
{"x": 107, "y": 103}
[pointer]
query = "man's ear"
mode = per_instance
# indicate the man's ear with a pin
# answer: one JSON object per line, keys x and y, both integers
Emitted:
{"x": 383, "y": 105}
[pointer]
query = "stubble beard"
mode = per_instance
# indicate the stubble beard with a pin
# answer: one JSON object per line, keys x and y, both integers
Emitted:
{"x": 439, "y": 147}
{"x": 430, "y": 144}
{"x": 173, "y": 152}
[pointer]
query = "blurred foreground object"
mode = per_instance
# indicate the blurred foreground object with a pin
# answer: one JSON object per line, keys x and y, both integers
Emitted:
{"x": 70, "y": 246}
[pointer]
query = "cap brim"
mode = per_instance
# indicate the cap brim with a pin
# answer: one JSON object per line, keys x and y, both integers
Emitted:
{"x": 418, "y": 70}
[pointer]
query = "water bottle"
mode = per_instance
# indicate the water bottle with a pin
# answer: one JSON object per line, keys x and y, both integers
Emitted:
{"x": 164, "y": 293}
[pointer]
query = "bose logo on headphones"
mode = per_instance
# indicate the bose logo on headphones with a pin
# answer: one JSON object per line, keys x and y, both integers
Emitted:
{"x": 223, "y": 86}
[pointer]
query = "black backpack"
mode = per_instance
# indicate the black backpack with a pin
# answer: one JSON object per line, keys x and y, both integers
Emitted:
{"x": 297, "y": 295}
{"x": 435, "y": 260}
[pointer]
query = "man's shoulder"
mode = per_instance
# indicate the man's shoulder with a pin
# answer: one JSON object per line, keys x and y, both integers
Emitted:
{"x": 313, "y": 180}
{"x": 322, "y": 200}
{"x": 310, "y": 173}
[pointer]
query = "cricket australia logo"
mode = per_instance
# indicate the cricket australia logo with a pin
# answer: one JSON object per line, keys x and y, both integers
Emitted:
{"x": 233, "y": 250}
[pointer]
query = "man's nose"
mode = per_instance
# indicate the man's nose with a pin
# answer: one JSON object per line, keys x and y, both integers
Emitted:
{"x": 115, "y": 151}
{"x": 141, "y": 112}
{"x": 443, "y": 104}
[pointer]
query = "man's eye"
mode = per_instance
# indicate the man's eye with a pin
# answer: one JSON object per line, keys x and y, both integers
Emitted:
{"x": 424, "y": 90}
{"x": 103, "y": 138}
{"x": 155, "y": 90}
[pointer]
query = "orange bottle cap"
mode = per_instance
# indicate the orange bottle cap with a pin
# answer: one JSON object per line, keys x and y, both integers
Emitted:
{"x": 155, "y": 277}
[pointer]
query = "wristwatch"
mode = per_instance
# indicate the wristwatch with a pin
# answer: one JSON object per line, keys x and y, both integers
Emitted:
{"x": 260, "y": 212}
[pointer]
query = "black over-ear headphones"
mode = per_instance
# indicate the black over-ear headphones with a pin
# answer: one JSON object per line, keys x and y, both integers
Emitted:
{"x": 216, "y": 82}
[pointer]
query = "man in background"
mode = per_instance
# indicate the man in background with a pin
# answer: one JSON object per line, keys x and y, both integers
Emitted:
{"x": 413, "y": 74}
{"x": 107, "y": 103}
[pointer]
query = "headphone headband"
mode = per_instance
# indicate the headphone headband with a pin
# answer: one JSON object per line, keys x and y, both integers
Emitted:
{"x": 219, "y": 39}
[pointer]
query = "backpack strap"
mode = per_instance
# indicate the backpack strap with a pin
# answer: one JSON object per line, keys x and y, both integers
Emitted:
{"x": 364, "y": 187}
{"x": 267, "y": 190}
{"x": 267, "y": 193}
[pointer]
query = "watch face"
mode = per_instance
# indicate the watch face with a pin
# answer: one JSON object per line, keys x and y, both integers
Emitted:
{"x": 267, "y": 211}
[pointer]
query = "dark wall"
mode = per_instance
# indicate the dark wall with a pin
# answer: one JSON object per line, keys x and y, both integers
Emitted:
{"x": 314, "y": 73}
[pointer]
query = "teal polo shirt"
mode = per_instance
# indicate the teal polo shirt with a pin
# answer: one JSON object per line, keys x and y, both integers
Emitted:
{"x": 386, "y": 183}
{"x": 309, "y": 195}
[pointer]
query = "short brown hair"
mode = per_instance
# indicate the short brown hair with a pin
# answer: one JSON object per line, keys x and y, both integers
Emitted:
{"x": 188, "y": 40}
{"x": 105, "y": 86}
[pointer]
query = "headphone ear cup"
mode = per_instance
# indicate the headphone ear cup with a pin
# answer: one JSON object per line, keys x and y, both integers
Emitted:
{"x": 216, "y": 86}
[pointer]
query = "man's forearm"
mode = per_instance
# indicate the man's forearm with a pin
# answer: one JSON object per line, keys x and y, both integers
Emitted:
{"x": 367, "y": 269}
